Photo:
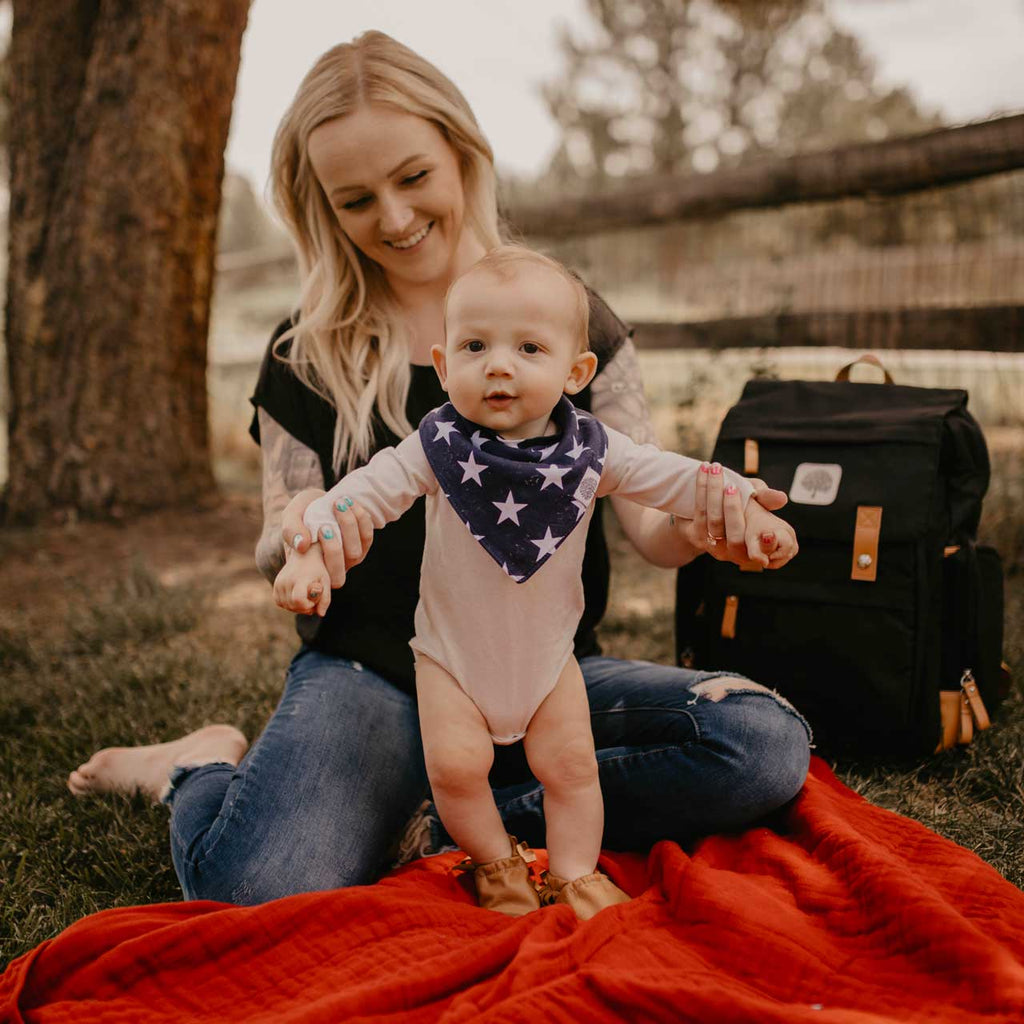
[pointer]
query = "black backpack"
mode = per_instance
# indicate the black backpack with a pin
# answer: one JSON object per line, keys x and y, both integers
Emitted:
{"x": 886, "y": 629}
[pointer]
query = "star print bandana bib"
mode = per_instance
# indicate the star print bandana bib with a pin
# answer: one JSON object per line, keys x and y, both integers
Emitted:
{"x": 519, "y": 499}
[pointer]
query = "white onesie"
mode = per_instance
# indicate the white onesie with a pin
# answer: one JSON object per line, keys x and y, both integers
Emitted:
{"x": 504, "y": 642}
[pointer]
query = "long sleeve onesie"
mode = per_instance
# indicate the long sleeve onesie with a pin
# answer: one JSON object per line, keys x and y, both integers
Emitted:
{"x": 503, "y": 641}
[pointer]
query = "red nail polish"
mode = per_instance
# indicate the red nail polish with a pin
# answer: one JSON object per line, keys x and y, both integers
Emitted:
{"x": 715, "y": 469}
{"x": 731, "y": 489}
{"x": 704, "y": 467}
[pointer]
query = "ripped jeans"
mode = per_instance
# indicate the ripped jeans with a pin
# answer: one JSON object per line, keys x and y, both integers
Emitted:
{"x": 322, "y": 796}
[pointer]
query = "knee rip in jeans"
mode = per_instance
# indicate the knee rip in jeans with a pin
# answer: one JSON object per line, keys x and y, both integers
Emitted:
{"x": 721, "y": 686}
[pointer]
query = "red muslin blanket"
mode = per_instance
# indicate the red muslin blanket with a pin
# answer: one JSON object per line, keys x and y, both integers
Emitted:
{"x": 846, "y": 914}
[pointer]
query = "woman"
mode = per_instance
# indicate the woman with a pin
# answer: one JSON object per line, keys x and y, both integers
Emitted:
{"x": 387, "y": 185}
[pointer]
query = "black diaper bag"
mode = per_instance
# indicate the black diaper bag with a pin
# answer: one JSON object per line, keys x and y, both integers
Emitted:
{"x": 885, "y": 631}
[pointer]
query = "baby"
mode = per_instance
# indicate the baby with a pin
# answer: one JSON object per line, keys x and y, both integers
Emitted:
{"x": 510, "y": 470}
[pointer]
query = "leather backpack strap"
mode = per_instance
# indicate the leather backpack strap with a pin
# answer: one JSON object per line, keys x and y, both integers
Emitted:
{"x": 867, "y": 357}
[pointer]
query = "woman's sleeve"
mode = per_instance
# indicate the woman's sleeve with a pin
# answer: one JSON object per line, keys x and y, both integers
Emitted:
{"x": 617, "y": 396}
{"x": 282, "y": 395}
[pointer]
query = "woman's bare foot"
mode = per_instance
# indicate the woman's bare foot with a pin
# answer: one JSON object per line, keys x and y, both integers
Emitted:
{"x": 146, "y": 769}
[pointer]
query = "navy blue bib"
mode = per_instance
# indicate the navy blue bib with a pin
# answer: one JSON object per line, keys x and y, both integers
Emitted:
{"x": 519, "y": 499}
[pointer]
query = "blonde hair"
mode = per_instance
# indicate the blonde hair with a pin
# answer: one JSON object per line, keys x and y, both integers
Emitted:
{"x": 503, "y": 260}
{"x": 350, "y": 345}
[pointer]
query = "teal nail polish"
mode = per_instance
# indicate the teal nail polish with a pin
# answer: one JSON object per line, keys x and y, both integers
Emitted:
{"x": 340, "y": 506}
{"x": 296, "y": 541}
{"x": 327, "y": 533}
{"x": 349, "y": 503}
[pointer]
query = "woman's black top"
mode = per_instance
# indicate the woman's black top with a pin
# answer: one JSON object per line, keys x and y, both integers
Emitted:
{"x": 370, "y": 619}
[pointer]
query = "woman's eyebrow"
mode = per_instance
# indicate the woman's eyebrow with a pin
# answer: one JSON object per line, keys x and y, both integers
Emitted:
{"x": 390, "y": 174}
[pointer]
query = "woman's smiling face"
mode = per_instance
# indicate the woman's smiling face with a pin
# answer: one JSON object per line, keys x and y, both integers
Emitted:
{"x": 396, "y": 189}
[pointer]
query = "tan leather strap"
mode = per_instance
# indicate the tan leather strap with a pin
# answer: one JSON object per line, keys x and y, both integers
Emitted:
{"x": 962, "y": 712}
{"x": 732, "y": 604}
{"x": 972, "y": 697}
{"x": 865, "y": 543}
{"x": 966, "y": 721}
{"x": 867, "y": 357}
{"x": 949, "y": 709}
{"x": 751, "y": 457}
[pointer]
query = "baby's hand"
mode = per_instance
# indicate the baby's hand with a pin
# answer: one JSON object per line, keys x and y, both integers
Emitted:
{"x": 304, "y": 584}
{"x": 771, "y": 541}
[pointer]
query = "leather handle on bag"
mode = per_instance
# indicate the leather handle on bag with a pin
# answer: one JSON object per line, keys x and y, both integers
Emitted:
{"x": 867, "y": 357}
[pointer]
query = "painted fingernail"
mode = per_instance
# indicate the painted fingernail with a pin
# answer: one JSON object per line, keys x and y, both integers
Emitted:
{"x": 767, "y": 538}
{"x": 716, "y": 468}
{"x": 296, "y": 541}
{"x": 327, "y": 533}
{"x": 340, "y": 505}
{"x": 704, "y": 467}
{"x": 349, "y": 503}
{"x": 731, "y": 489}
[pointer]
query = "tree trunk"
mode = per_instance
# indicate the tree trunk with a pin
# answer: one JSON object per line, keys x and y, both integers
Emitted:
{"x": 119, "y": 117}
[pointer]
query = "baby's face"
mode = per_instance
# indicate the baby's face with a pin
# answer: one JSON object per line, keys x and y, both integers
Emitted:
{"x": 512, "y": 349}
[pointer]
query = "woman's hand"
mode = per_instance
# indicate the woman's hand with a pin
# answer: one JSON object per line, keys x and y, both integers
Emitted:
{"x": 719, "y": 526}
{"x": 348, "y": 545}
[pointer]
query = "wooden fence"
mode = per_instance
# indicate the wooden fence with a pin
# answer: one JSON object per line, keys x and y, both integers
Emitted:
{"x": 910, "y": 243}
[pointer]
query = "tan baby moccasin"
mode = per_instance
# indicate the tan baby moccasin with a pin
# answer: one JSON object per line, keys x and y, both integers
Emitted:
{"x": 507, "y": 885}
{"x": 587, "y": 894}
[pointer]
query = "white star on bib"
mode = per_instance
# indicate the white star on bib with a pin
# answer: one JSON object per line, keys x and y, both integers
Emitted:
{"x": 509, "y": 509}
{"x": 472, "y": 470}
{"x": 552, "y": 475}
{"x": 547, "y": 544}
{"x": 443, "y": 430}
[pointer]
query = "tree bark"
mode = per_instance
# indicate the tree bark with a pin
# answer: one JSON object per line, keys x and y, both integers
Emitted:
{"x": 882, "y": 168}
{"x": 119, "y": 117}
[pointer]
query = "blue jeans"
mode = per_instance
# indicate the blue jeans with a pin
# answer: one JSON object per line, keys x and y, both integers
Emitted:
{"x": 323, "y": 794}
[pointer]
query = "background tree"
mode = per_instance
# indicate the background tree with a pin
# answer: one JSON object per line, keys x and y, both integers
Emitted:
{"x": 672, "y": 86}
{"x": 119, "y": 113}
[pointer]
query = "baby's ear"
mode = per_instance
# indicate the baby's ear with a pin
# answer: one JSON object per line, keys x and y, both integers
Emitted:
{"x": 440, "y": 366}
{"x": 582, "y": 373}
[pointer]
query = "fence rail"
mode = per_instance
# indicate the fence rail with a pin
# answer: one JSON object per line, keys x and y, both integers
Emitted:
{"x": 895, "y": 166}
{"x": 980, "y": 329}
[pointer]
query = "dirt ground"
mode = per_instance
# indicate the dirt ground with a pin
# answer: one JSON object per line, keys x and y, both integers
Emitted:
{"x": 210, "y": 547}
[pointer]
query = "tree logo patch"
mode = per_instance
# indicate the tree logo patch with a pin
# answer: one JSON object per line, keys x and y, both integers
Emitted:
{"x": 816, "y": 483}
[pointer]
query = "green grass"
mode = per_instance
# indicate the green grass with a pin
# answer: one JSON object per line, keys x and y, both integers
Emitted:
{"x": 143, "y": 663}
{"x": 132, "y": 665}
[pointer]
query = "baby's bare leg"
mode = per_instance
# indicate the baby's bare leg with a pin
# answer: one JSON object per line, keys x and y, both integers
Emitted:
{"x": 458, "y": 750}
{"x": 560, "y": 749}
